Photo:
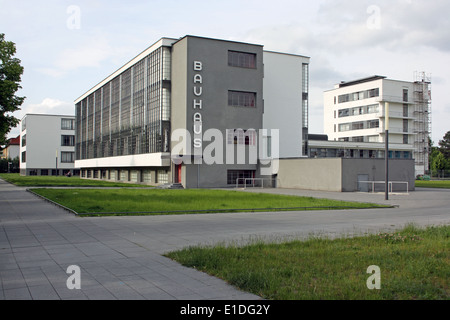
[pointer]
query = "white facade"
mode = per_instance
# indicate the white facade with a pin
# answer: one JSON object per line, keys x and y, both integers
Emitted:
{"x": 356, "y": 111}
{"x": 286, "y": 86}
{"x": 12, "y": 149}
{"x": 47, "y": 144}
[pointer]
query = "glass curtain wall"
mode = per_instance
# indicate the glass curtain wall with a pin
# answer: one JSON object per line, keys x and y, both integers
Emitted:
{"x": 130, "y": 114}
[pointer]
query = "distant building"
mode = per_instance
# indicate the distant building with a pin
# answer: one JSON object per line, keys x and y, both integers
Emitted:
{"x": 12, "y": 149}
{"x": 319, "y": 146}
{"x": 355, "y": 112}
{"x": 47, "y": 145}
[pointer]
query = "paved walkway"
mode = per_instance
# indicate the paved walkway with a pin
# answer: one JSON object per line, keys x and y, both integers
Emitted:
{"x": 121, "y": 257}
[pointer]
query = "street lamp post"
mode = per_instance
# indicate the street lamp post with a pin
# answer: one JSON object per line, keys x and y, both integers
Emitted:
{"x": 386, "y": 151}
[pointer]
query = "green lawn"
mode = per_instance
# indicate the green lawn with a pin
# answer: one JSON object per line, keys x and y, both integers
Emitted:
{"x": 163, "y": 201}
{"x": 433, "y": 184}
{"x": 414, "y": 264}
{"x": 59, "y": 181}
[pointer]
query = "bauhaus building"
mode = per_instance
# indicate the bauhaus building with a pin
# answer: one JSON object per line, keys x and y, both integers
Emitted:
{"x": 195, "y": 111}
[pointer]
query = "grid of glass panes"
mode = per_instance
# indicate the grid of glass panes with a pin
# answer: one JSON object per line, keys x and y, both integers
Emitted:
{"x": 78, "y": 130}
{"x": 138, "y": 121}
{"x": 67, "y": 124}
{"x": 305, "y": 89}
{"x": 242, "y": 59}
{"x": 241, "y": 99}
{"x": 153, "y": 111}
{"x": 90, "y": 127}
{"x": 126, "y": 115}
{"x": 106, "y": 98}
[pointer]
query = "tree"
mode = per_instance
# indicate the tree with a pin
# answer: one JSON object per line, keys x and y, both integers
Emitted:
{"x": 440, "y": 163}
{"x": 10, "y": 77}
{"x": 444, "y": 145}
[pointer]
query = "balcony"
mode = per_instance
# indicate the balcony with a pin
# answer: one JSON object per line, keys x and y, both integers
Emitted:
{"x": 392, "y": 99}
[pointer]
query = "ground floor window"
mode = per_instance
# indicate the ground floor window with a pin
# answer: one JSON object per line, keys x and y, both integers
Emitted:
{"x": 147, "y": 176}
{"x": 233, "y": 175}
{"x": 163, "y": 176}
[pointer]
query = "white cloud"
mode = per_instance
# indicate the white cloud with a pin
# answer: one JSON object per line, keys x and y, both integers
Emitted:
{"x": 91, "y": 53}
{"x": 50, "y": 106}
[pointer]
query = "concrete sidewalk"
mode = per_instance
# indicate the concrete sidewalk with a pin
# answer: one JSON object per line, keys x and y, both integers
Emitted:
{"x": 39, "y": 241}
{"x": 121, "y": 257}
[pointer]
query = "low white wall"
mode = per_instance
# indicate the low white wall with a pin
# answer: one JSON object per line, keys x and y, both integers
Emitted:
{"x": 311, "y": 174}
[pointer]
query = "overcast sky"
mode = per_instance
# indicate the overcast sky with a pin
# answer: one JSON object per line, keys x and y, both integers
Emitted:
{"x": 67, "y": 47}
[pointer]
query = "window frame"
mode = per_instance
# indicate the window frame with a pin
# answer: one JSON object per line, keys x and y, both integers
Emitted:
{"x": 240, "y": 59}
{"x": 245, "y": 99}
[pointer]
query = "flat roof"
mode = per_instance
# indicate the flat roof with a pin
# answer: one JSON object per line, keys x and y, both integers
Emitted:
{"x": 358, "y": 81}
{"x": 48, "y": 115}
{"x": 288, "y": 54}
{"x": 215, "y": 39}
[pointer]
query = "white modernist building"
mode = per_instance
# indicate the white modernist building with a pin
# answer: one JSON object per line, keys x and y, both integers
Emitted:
{"x": 358, "y": 111}
{"x": 286, "y": 101}
{"x": 128, "y": 125}
{"x": 47, "y": 144}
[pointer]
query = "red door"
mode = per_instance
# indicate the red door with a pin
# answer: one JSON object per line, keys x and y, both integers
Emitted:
{"x": 178, "y": 173}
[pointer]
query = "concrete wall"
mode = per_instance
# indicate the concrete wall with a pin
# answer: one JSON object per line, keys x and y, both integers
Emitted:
{"x": 342, "y": 174}
{"x": 374, "y": 169}
{"x": 311, "y": 174}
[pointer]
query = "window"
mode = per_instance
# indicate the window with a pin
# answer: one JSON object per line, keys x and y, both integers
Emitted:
{"x": 67, "y": 141}
{"x": 242, "y": 99}
{"x": 24, "y": 156}
{"x": 359, "y": 95}
{"x": 343, "y": 113}
{"x": 344, "y": 127}
{"x": 357, "y": 125}
{"x": 405, "y": 139}
{"x": 67, "y": 124}
{"x": 233, "y": 175}
{"x": 240, "y": 136}
{"x": 405, "y": 110}
{"x": 405, "y": 95}
{"x": 67, "y": 157}
{"x": 358, "y": 139}
{"x": 24, "y": 140}
{"x": 373, "y": 108}
{"x": 163, "y": 176}
{"x": 373, "y": 124}
{"x": 405, "y": 125}
{"x": 242, "y": 59}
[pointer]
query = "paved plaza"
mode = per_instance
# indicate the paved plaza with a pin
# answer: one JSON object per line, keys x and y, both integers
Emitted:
{"x": 121, "y": 257}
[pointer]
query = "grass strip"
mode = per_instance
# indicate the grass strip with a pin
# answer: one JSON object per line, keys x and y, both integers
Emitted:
{"x": 445, "y": 184}
{"x": 414, "y": 264}
{"x": 61, "y": 181}
{"x": 163, "y": 201}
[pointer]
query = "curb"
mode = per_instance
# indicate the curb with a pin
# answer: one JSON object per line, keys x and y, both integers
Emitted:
{"x": 53, "y": 202}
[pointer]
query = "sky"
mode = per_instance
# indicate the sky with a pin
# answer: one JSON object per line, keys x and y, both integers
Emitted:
{"x": 67, "y": 47}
